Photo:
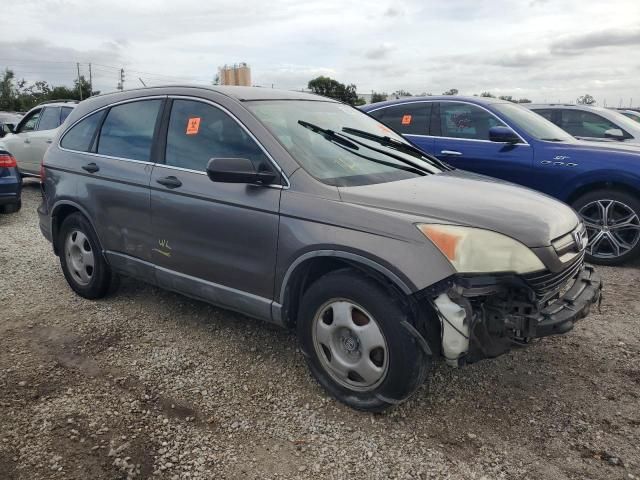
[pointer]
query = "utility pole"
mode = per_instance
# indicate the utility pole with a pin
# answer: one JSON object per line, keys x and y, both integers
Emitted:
{"x": 121, "y": 82}
{"x": 90, "y": 81}
{"x": 79, "y": 84}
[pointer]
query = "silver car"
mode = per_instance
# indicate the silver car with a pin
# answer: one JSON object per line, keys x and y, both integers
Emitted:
{"x": 32, "y": 136}
{"x": 591, "y": 123}
{"x": 305, "y": 212}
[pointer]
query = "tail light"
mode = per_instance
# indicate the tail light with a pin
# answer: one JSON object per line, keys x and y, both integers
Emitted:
{"x": 7, "y": 160}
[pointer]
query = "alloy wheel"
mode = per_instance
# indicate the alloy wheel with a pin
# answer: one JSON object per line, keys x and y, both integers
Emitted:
{"x": 80, "y": 257}
{"x": 613, "y": 228}
{"x": 350, "y": 345}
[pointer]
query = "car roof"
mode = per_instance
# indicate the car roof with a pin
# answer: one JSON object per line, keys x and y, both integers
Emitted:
{"x": 568, "y": 105}
{"x": 435, "y": 98}
{"x": 239, "y": 93}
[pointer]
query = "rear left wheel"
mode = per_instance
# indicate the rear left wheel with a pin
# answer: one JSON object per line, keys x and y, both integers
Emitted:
{"x": 83, "y": 264}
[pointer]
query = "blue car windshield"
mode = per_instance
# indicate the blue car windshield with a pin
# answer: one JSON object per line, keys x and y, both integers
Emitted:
{"x": 532, "y": 123}
{"x": 337, "y": 144}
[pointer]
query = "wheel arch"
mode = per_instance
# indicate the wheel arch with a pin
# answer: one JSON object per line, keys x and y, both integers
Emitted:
{"x": 59, "y": 212}
{"x": 579, "y": 189}
{"x": 312, "y": 265}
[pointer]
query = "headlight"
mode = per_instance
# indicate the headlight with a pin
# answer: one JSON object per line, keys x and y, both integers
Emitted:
{"x": 473, "y": 250}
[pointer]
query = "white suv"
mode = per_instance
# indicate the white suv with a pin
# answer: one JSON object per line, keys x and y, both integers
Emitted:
{"x": 35, "y": 132}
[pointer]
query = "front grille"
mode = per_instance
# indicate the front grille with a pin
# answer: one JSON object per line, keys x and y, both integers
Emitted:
{"x": 546, "y": 284}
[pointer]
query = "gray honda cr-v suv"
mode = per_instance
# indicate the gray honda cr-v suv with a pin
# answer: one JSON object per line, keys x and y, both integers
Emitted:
{"x": 303, "y": 211}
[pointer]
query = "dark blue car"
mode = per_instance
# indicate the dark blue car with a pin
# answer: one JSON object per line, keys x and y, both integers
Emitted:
{"x": 504, "y": 140}
{"x": 10, "y": 184}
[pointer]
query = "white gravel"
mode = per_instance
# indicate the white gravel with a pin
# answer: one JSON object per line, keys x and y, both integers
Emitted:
{"x": 149, "y": 384}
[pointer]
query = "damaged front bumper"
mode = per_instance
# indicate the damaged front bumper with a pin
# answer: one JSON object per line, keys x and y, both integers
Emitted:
{"x": 483, "y": 316}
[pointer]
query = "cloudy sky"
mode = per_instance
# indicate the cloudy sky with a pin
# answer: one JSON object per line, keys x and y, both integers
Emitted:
{"x": 546, "y": 50}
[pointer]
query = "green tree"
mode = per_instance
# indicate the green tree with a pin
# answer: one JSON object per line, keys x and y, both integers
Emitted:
{"x": 586, "y": 99}
{"x": 328, "y": 87}
{"x": 524, "y": 100}
{"x": 508, "y": 98}
{"x": 378, "y": 97}
{"x": 487, "y": 95}
{"x": 7, "y": 91}
{"x": 452, "y": 91}
{"x": 401, "y": 93}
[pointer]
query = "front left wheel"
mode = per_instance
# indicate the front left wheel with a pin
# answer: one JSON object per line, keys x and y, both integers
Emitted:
{"x": 351, "y": 331}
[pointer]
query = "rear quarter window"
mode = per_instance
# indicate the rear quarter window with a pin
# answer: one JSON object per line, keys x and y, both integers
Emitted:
{"x": 81, "y": 135}
{"x": 406, "y": 118}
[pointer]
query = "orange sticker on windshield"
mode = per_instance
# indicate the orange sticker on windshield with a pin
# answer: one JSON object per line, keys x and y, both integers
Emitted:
{"x": 193, "y": 125}
{"x": 406, "y": 120}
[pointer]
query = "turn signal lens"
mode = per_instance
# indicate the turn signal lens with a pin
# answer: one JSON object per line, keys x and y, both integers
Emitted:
{"x": 447, "y": 242}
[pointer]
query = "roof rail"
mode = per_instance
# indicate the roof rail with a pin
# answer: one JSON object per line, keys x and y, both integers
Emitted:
{"x": 60, "y": 100}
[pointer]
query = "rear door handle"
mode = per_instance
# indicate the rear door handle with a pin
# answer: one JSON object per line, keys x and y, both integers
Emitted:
{"x": 91, "y": 167}
{"x": 49, "y": 140}
{"x": 451, "y": 153}
{"x": 169, "y": 182}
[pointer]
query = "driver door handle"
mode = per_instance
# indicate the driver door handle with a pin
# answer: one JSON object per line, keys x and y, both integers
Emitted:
{"x": 26, "y": 140}
{"x": 49, "y": 140}
{"x": 451, "y": 153}
{"x": 169, "y": 182}
{"x": 91, "y": 167}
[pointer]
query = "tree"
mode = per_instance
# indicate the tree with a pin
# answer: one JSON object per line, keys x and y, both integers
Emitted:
{"x": 401, "y": 93}
{"x": 586, "y": 99}
{"x": 508, "y": 98}
{"x": 523, "y": 100}
{"x": 378, "y": 97}
{"x": 328, "y": 87}
{"x": 360, "y": 101}
{"x": 453, "y": 91}
{"x": 7, "y": 91}
{"x": 487, "y": 95}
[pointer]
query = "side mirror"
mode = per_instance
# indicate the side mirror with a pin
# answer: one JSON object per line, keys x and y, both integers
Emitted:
{"x": 503, "y": 135}
{"x": 6, "y": 128}
{"x": 614, "y": 133}
{"x": 237, "y": 170}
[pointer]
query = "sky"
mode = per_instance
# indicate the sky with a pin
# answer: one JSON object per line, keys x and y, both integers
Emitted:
{"x": 544, "y": 50}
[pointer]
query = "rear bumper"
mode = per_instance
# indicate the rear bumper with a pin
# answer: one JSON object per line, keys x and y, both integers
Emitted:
{"x": 44, "y": 221}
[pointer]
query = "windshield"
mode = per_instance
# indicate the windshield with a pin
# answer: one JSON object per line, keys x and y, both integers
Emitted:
{"x": 632, "y": 115}
{"x": 622, "y": 120}
{"x": 532, "y": 123}
{"x": 312, "y": 132}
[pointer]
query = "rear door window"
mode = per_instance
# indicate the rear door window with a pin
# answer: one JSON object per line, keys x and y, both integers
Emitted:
{"x": 463, "y": 120}
{"x": 127, "y": 132}
{"x": 406, "y": 118}
{"x": 49, "y": 119}
{"x": 199, "y": 132}
{"x": 81, "y": 135}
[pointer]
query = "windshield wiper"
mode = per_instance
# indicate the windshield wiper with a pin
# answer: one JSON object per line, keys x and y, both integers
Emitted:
{"x": 343, "y": 142}
{"x": 329, "y": 134}
{"x": 396, "y": 144}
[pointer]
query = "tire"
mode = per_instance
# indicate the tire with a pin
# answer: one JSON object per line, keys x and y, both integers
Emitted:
{"x": 77, "y": 244}
{"x": 619, "y": 242}
{"x": 11, "y": 207}
{"x": 391, "y": 372}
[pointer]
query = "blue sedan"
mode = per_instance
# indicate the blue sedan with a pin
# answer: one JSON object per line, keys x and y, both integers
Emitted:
{"x": 10, "y": 184}
{"x": 504, "y": 140}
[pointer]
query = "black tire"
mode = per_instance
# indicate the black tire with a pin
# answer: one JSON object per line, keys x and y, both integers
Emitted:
{"x": 609, "y": 256}
{"x": 11, "y": 207}
{"x": 100, "y": 279}
{"x": 407, "y": 363}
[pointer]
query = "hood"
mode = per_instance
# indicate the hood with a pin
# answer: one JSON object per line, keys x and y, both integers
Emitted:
{"x": 464, "y": 198}
{"x": 607, "y": 146}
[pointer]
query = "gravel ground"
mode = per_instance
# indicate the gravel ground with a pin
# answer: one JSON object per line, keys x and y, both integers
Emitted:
{"x": 147, "y": 383}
